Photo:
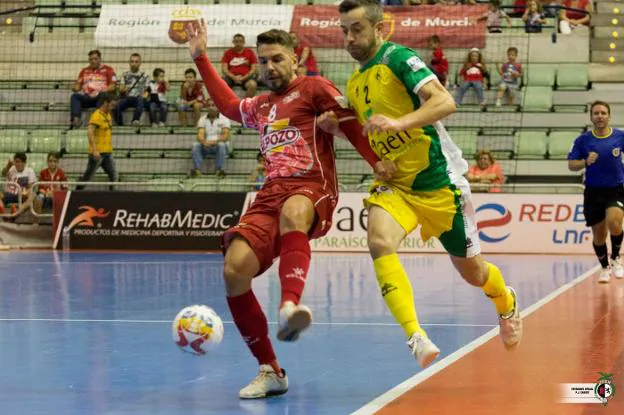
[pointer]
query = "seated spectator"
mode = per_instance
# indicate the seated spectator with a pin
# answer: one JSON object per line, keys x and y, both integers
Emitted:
{"x": 93, "y": 81}
{"x": 239, "y": 65}
{"x": 486, "y": 175}
{"x": 157, "y": 89}
{"x": 132, "y": 91}
{"x": 550, "y": 7}
{"x": 213, "y": 135}
{"x": 50, "y": 174}
{"x": 494, "y": 16}
{"x": 511, "y": 75}
{"x": 192, "y": 97}
{"x": 19, "y": 183}
{"x": 439, "y": 64}
{"x": 570, "y": 19}
{"x": 533, "y": 17}
{"x": 258, "y": 173}
{"x": 306, "y": 62}
{"x": 100, "y": 137}
{"x": 473, "y": 74}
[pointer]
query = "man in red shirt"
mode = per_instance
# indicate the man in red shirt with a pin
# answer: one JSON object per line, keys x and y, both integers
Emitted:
{"x": 239, "y": 66}
{"x": 297, "y": 200}
{"x": 93, "y": 82}
{"x": 306, "y": 60}
{"x": 50, "y": 174}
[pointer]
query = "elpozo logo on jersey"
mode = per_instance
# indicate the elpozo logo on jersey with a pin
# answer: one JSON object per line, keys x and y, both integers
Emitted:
{"x": 497, "y": 217}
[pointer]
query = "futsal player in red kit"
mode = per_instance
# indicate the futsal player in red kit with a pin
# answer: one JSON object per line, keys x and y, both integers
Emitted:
{"x": 297, "y": 200}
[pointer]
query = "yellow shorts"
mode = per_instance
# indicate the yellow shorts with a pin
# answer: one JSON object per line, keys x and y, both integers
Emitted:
{"x": 446, "y": 214}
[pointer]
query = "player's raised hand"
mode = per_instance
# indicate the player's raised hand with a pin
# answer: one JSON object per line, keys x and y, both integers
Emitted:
{"x": 328, "y": 122}
{"x": 197, "y": 37}
{"x": 592, "y": 157}
{"x": 384, "y": 169}
{"x": 381, "y": 123}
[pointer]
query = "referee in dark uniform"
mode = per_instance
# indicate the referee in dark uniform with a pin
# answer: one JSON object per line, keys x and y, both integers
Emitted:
{"x": 599, "y": 152}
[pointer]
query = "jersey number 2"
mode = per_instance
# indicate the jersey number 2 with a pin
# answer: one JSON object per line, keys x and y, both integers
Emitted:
{"x": 366, "y": 100}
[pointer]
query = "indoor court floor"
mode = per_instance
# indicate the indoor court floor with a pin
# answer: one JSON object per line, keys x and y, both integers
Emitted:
{"x": 90, "y": 333}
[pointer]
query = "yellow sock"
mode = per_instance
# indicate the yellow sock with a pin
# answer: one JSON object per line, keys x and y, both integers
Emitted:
{"x": 397, "y": 293}
{"x": 497, "y": 291}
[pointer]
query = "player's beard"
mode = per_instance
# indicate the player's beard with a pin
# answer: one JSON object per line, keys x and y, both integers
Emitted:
{"x": 278, "y": 84}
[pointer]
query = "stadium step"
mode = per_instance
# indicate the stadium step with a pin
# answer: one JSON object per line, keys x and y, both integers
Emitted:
{"x": 607, "y": 56}
{"x": 607, "y": 7}
{"x": 608, "y": 19}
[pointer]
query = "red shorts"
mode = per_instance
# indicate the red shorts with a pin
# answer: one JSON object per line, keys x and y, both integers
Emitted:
{"x": 259, "y": 226}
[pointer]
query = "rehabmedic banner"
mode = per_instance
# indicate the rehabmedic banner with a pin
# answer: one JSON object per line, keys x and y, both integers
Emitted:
{"x": 507, "y": 223}
{"x": 318, "y": 26}
{"x": 164, "y": 25}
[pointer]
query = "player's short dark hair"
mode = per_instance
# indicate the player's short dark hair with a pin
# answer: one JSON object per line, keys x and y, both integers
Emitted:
{"x": 596, "y": 103}
{"x": 512, "y": 49}
{"x": 374, "y": 12}
{"x": 157, "y": 72}
{"x": 275, "y": 37}
{"x": 95, "y": 52}
{"x": 20, "y": 155}
{"x": 190, "y": 70}
{"x": 54, "y": 154}
{"x": 107, "y": 97}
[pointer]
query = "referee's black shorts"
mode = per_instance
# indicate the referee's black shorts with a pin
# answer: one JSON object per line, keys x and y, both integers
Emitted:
{"x": 598, "y": 199}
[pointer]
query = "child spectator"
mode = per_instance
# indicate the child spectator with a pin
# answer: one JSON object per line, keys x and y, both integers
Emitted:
{"x": 306, "y": 62}
{"x": 192, "y": 97}
{"x": 494, "y": 16}
{"x": 511, "y": 74}
{"x": 439, "y": 64}
{"x": 473, "y": 75}
{"x": 239, "y": 66}
{"x": 158, "y": 88}
{"x": 50, "y": 174}
{"x": 257, "y": 175}
{"x": 486, "y": 175}
{"x": 20, "y": 180}
{"x": 533, "y": 17}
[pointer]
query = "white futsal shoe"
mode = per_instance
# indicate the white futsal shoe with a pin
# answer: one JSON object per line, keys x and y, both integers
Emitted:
{"x": 423, "y": 349}
{"x": 511, "y": 325}
{"x": 617, "y": 268}
{"x": 605, "y": 276}
{"x": 266, "y": 384}
{"x": 293, "y": 319}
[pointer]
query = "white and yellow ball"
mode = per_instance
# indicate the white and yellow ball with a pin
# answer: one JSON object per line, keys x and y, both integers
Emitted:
{"x": 197, "y": 329}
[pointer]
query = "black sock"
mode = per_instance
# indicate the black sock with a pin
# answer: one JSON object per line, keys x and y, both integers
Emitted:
{"x": 602, "y": 254}
{"x": 616, "y": 243}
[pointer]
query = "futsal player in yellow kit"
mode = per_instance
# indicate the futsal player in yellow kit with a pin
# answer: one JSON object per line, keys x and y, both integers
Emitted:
{"x": 400, "y": 102}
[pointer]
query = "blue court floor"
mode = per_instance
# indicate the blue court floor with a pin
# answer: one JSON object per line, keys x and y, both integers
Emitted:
{"x": 87, "y": 333}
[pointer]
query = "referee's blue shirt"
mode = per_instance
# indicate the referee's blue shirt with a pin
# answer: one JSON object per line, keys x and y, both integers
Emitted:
{"x": 607, "y": 170}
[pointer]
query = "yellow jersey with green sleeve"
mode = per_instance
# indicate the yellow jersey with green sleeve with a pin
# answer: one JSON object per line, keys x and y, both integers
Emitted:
{"x": 389, "y": 84}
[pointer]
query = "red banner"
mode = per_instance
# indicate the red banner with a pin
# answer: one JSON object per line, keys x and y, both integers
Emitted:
{"x": 319, "y": 26}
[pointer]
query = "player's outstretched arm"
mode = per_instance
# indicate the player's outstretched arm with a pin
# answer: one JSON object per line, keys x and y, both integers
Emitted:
{"x": 224, "y": 98}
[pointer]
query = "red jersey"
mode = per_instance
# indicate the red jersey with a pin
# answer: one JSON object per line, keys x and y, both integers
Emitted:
{"x": 310, "y": 63}
{"x": 46, "y": 176}
{"x": 97, "y": 80}
{"x": 239, "y": 63}
{"x": 293, "y": 146}
{"x": 196, "y": 93}
{"x": 439, "y": 63}
{"x": 474, "y": 72}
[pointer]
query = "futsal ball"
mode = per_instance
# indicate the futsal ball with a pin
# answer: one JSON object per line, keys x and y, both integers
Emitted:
{"x": 197, "y": 329}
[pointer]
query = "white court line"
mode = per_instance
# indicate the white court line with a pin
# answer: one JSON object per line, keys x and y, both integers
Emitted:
{"x": 342, "y": 323}
{"x": 384, "y": 399}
